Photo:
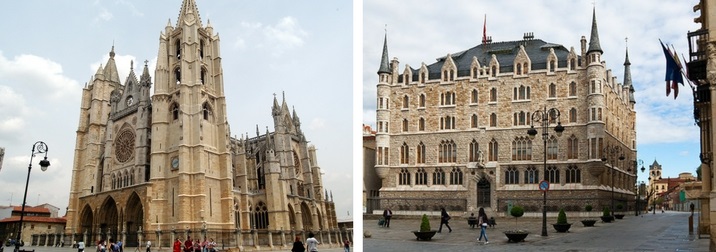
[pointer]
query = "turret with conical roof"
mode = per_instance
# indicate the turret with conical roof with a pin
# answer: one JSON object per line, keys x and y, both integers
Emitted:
{"x": 627, "y": 77}
{"x": 594, "y": 38}
{"x": 384, "y": 61}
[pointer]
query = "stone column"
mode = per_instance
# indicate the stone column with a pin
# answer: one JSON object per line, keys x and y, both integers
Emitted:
{"x": 270, "y": 239}
{"x": 283, "y": 238}
{"x": 159, "y": 238}
{"x": 47, "y": 239}
{"x": 140, "y": 237}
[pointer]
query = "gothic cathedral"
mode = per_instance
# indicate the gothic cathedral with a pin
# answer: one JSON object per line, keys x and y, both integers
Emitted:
{"x": 164, "y": 166}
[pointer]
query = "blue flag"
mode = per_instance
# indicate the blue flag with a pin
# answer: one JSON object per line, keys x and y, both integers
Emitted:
{"x": 673, "y": 72}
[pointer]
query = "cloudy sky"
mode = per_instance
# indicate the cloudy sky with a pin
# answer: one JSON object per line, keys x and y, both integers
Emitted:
{"x": 52, "y": 48}
{"x": 424, "y": 30}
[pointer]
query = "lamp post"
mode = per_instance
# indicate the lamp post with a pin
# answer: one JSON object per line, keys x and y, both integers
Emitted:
{"x": 545, "y": 117}
{"x": 610, "y": 153}
{"x": 38, "y": 148}
{"x": 637, "y": 163}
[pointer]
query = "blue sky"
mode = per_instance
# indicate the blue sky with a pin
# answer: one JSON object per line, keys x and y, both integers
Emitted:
{"x": 51, "y": 48}
{"x": 425, "y": 30}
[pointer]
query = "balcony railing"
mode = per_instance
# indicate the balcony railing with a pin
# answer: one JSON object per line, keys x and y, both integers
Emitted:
{"x": 697, "y": 54}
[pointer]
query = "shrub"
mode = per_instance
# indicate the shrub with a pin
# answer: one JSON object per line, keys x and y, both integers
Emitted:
{"x": 588, "y": 208}
{"x": 605, "y": 211}
{"x": 425, "y": 224}
{"x": 517, "y": 211}
{"x": 562, "y": 217}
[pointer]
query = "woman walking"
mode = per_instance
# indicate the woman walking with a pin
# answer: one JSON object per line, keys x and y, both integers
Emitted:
{"x": 482, "y": 221}
{"x": 444, "y": 218}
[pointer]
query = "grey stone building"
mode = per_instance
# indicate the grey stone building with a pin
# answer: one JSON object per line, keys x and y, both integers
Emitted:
{"x": 453, "y": 133}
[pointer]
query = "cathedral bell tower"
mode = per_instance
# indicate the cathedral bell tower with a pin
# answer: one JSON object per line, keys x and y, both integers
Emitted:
{"x": 190, "y": 156}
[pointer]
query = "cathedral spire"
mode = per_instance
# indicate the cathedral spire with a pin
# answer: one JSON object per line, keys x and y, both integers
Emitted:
{"x": 110, "y": 70}
{"x": 145, "y": 79}
{"x": 594, "y": 38}
{"x": 189, "y": 12}
{"x": 627, "y": 76}
{"x": 384, "y": 63}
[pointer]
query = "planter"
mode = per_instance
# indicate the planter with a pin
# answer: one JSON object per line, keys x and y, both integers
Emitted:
{"x": 607, "y": 219}
{"x": 588, "y": 223}
{"x": 424, "y": 236}
{"x": 619, "y": 216}
{"x": 516, "y": 236}
{"x": 562, "y": 228}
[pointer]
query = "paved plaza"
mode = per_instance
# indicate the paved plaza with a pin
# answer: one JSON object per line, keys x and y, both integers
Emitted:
{"x": 134, "y": 249}
{"x": 649, "y": 232}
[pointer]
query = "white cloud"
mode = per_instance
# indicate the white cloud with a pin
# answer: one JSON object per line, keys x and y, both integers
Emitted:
{"x": 42, "y": 76}
{"x": 285, "y": 35}
{"x": 317, "y": 123}
{"x": 104, "y": 15}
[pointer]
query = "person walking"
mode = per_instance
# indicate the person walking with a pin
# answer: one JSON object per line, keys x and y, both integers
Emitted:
{"x": 81, "y": 246}
{"x": 298, "y": 245}
{"x": 482, "y": 221}
{"x": 444, "y": 218}
{"x": 347, "y": 246}
{"x": 177, "y": 245}
{"x": 312, "y": 243}
{"x": 149, "y": 246}
{"x": 387, "y": 214}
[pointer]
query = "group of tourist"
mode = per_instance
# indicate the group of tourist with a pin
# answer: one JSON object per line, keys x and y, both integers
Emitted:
{"x": 194, "y": 245}
{"x": 105, "y": 246}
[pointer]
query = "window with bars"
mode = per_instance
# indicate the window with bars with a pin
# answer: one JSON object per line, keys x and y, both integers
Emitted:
{"x": 438, "y": 177}
{"x": 456, "y": 176}
{"x": 574, "y": 174}
{"x": 421, "y": 177}
{"x": 553, "y": 174}
{"x": 404, "y": 177}
{"x": 512, "y": 176}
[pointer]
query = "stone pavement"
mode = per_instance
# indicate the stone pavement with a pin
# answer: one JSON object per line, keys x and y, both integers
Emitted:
{"x": 133, "y": 249}
{"x": 649, "y": 232}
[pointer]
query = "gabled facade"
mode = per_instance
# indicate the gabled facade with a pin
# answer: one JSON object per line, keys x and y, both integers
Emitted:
{"x": 453, "y": 133}
{"x": 163, "y": 165}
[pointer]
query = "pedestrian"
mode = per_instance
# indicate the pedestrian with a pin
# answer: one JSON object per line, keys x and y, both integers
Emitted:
{"x": 444, "y": 219}
{"x": 188, "y": 246}
{"x": 149, "y": 246}
{"x": 211, "y": 245}
{"x": 298, "y": 245}
{"x": 81, "y": 246}
{"x": 482, "y": 221}
{"x": 387, "y": 214}
{"x": 347, "y": 246}
{"x": 120, "y": 245}
{"x": 177, "y": 245}
{"x": 312, "y": 243}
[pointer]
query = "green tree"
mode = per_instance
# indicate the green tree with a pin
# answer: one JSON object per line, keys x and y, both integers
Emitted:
{"x": 425, "y": 224}
{"x": 562, "y": 217}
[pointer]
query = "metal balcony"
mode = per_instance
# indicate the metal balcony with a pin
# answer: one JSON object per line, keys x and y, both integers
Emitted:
{"x": 697, "y": 55}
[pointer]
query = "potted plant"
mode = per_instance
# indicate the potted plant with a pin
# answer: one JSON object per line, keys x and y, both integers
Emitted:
{"x": 606, "y": 217}
{"x": 562, "y": 226}
{"x": 588, "y": 222}
{"x": 425, "y": 233}
{"x": 619, "y": 214}
{"x": 516, "y": 235}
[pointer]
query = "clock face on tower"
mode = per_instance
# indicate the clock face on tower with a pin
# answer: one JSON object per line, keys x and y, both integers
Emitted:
{"x": 175, "y": 162}
{"x": 130, "y": 101}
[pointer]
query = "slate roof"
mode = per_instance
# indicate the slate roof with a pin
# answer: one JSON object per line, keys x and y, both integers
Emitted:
{"x": 537, "y": 50}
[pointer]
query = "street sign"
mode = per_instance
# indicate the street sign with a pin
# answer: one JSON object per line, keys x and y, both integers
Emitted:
{"x": 544, "y": 185}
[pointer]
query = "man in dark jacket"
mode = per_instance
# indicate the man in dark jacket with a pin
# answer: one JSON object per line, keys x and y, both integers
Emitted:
{"x": 387, "y": 214}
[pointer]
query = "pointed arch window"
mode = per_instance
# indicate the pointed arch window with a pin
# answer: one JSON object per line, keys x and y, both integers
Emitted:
{"x": 552, "y": 149}
{"x": 421, "y": 103}
{"x": 206, "y": 111}
{"x": 512, "y": 176}
{"x": 406, "y": 102}
{"x": 573, "y": 115}
{"x": 448, "y": 151}
{"x": 405, "y": 125}
{"x": 572, "y": 89}
{"x": 404, "y": 177}
{"x": 177, "y": 46}
{"x": 421, "y": 124}
{"x": 201, "y": 49}
{"x": 420, "y": 153}
{"x": 474, "y": 151}
{"x": 531, "y": 175}
{"x": 422, "y": 77}
{"x": 521, "y": 149}
{"x": 526, "y": 68}
{"x": 493, "y": 94}
{"x": 553, "y": 174}
{"x": 572, "y": 64}
{"x": 456, "y": 176}
{"x": 473, "y": 96}
{"x": 474, "y": 72}
{"x": 552, "y": 66}
{"x": 421, "y": 177}
{"x": 175, "y": 111}
{"x": 177, "y": 75}
{"x": 552, "y": 90}
{"x": 473, "y": 121}
{"x": 493, "y": 71}
{"x": 203, "y": 76}
{"x": 572, "y": 147}
{"x": 260, "y": 177}
{"x": 452, "y": 75}
{"x": 493, "y": 120}
{"x": 447, "y": 98}
{"x": 519, "y": 69}
{"x": 574, "y": 175}
{"x": 404, "y": 153}
{"x": 493, "y": 150}
{"x": 260, "y": 216}
{"x": 438, "y": 176}
{"x": 447, "y": 122}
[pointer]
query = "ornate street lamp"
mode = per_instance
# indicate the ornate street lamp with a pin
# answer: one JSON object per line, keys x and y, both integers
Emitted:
{"x": 38, "y": 148}
{"x": 545, "y": 117}
{"x": 611, "y": 153}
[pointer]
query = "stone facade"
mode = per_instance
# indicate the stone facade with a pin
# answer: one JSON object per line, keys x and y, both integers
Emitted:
{"x": 453, "y": 133}
{"x": 158, "y": 165}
